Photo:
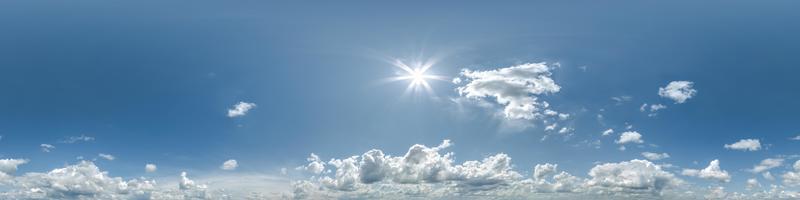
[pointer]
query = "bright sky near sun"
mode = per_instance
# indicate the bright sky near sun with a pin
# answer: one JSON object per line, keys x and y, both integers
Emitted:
{"x": 376, "y": 100}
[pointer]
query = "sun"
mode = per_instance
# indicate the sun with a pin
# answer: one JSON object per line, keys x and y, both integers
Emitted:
{"x": 416, "y": 74}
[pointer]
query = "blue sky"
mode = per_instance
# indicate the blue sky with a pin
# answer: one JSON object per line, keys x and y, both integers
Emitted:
{"x": 152, "y": 83}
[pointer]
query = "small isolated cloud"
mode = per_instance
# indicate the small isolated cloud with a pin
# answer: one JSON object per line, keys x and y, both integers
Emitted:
{"x": 240, "y": 109}
{"x": 795, "y": 137}
{"x": 630, "y": 137}
{"x": 315, "y": 165}
{"x": 74, "y": 139}
{"x": 517, "y": 88}
{"x": 150, "y": 168}
{"x": 106, "y": 156}
{"x": 229, "y": 165}
{"x": 608, "y": 132}
{"x": 622, "y": 99}
{"x": 653, "y": 109}
{"x": 47, "y": 147}
{"x": 712, "y": 172}
{"x": 745, "y": 145}
{"x": 678, "y": 91}
{"x": 655, "y": 156}
{"x": 767, "y": 164}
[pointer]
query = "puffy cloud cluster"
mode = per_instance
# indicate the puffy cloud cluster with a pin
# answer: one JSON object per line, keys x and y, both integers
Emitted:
{"x": 632, "y": 176}
{"x": 517, "y": 88}
{"x": 678, "y": 91}
{"x": 712, "y": 172}
{"x": 240, "y": 109}
{"x": 85, "y": 180}
{"x": 792, "y": 178}
{"x": 426, "y": 172}
{"x": 745, "y": 145}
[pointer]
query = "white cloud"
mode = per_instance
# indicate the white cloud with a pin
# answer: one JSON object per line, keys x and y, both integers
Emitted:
{"x": 712, "y": 172}
{"x": 74, "y": 139}
{"x": 9, "y": 166}
{"x": 655, "y": 156}
{"x": 679, "y": 91}
{"x": 240, "y": 109}
{"x": 656, "y": 107}
{"x": 745, "y": 145}
{"x": 106, "y": 156}
{"x": 608, "y": 132}
{"x": 517, "y": 88}
{"x": 315, "y": 165}
{"x": 752, "y": 184}
{"x": 630, "y": 137}
{"x": 792, "y": 178}
{"x": 632, "y": 176}
{"x": 795, "y": 137}
{"x": 150, "y": 167}
{"x": 622, "y": 99}
{"x": 229, "y": 165}
{"x": 767, "y": 164}
{"x": 47, "y": 147}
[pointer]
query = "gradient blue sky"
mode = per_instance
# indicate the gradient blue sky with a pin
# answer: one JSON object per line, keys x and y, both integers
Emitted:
{"x": 152, "y": 81}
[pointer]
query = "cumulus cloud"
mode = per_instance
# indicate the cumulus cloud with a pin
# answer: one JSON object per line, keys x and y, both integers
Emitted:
{"x": 9, "y": 166}
{"x": 106, "y": 156}
{"x": 47, "y": 147}
{"x": 745, "y": 145}
{"x": 678, "y": 91}
{"x": 240, "y": 109}
{"x": 229, "y": 165}
{"x": 632, "y": 176}
{"x": 655, "y": 156}
{"x": 630, "y": 137}
{"x": 150, "y": 167}
{"x": 767, "y": 164}
{"x": 426, "y": 172}
{"x": 712, "y": 172}
{"x": 517, "y": 88}
{"x": 792, "y": 178}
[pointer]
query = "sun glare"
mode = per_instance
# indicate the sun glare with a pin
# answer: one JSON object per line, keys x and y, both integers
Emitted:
{"x": 416, "y": 74}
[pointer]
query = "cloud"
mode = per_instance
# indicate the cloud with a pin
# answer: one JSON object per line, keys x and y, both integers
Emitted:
{"x": 655, "y": 156}
{"x": 712, "y": 172}
{"x": 608, "y": 132}
{"x": 150, "y": 168}
{"x": 106, "y": 156}
{"x": 632, "y": 176}
{"x": 9, "y": 166}
{"x": 315, "y": 165}
{"x": 767, "y": 164}
{"x": 678, "y": 91}
{"x": 630, "y": 137}
{"x": 745, "y": 145}
{"x": 240, "y": 109}
{"x": 427, "y": 173}
{"x": 517, "y": 88}
{"x": 792, "y": 178}
{"x": 74, "y": 139}
{"x": 795, "y": 138}
{"x": 47, "y": 147}
{"x": 622, "y": 99}
{"x": 229, "y": 165}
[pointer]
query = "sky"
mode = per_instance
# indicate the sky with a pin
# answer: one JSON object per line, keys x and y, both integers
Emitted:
{"x": 415, "y": 99}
